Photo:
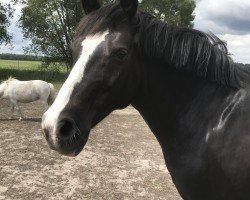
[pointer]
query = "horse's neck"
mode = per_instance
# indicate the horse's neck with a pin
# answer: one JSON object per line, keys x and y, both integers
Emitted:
{"x": 166, "y": 95}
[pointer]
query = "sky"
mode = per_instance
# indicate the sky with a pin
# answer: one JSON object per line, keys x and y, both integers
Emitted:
{"x": 228, "y": 19}
{"x": 17, "y": 42}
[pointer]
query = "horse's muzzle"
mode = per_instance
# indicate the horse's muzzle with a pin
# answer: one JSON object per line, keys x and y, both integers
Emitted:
{"x": 65, "y": 137}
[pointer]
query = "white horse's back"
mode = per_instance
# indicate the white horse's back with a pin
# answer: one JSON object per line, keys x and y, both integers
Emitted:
{"x": 27, "y": 91}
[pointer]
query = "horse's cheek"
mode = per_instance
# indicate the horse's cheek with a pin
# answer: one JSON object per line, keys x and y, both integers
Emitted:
{"x": 113, "y": 79}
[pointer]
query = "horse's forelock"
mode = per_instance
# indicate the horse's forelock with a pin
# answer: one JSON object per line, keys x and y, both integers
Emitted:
{"x": 11, "y": 79}
{"x": 98, "y": 21}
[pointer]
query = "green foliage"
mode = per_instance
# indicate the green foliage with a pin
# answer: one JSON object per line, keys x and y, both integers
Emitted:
{"x": 50, "y": 25}
{"x": 5, "y": 14}
{"x": 178, "y": 12}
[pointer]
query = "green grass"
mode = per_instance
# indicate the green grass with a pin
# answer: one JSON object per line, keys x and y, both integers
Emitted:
{"x": 32, "y": 70}
{"x": 23, "y": 65}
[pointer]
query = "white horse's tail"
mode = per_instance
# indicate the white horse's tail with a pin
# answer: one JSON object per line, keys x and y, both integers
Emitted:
{"x": 52, "y": 94}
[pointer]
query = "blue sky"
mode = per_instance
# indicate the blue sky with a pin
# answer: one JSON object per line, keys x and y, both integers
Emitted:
{"x": 228, "y": 19}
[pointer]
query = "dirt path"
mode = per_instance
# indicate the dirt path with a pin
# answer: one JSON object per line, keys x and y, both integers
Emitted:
{"x": 122, "y": 160}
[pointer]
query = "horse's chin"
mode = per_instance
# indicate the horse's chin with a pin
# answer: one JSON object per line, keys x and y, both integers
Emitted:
{"x": 70, "y": 153}
{"x": 73, "y": 153}
{"x": 72, "y": 150}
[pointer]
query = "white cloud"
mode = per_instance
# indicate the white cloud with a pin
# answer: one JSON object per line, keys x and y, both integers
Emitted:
{"x": 228, "y": 19}
{"x": 5, "y": 1}
{"x": 239, "y": 46}
{"x": 224, "y": 16}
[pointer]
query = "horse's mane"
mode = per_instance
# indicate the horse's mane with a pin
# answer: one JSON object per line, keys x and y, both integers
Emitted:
{"x": 10, "y": 79}
{"x": 189, "y": 50}
{"x": 193, "y": 51}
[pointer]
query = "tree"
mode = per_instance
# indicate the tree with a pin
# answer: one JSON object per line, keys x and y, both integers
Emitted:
{"x": 50, "y": 26}
{"x": 178, "y": 12}
{"x": 6, "y": 13}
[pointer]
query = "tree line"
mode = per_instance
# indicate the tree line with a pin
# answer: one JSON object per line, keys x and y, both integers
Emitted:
{"x": 246, "y": 66}
{"x": 7, "y": 56}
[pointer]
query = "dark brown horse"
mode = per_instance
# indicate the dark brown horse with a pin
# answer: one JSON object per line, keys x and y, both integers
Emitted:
{"x": 193, "y": 97}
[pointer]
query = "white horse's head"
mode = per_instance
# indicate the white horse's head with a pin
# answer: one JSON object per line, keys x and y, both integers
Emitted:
{"x": 3, "y": 87}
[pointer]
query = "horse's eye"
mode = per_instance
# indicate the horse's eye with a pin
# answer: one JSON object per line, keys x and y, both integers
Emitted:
{"x": 120, "y": 54}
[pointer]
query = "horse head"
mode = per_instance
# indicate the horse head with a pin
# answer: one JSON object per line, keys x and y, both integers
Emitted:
{"x": 3, "y": 87}
{"x": 103, "y": 77}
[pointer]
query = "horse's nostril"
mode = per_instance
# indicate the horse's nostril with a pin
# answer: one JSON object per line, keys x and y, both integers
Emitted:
{"x": 66, "y": 128}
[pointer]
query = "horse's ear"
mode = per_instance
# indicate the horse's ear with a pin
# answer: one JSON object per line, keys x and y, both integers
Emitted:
{"x": 90, "y": 5}
{"x": 129, "y": 7}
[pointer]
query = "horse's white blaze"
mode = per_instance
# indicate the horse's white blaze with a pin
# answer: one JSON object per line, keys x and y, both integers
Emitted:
{"x": 89, "y": 45}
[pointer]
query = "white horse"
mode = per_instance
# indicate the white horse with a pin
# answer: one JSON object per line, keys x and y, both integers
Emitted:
{"x": 26, "y": 91}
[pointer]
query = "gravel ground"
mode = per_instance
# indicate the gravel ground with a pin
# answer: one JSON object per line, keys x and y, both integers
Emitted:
{"x": 122, "y": 160}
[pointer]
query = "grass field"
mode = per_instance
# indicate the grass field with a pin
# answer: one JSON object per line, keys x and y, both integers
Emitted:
{"x": 24, "y": 65}
{"x": 31, "y": 70}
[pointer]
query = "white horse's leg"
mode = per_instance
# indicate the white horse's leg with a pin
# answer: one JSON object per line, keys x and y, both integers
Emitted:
{"x": 12, "y": 108}
{"x": 19, "y": 111}
{"x": 46, "y": 106}
{"x": 45, "y": 102}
